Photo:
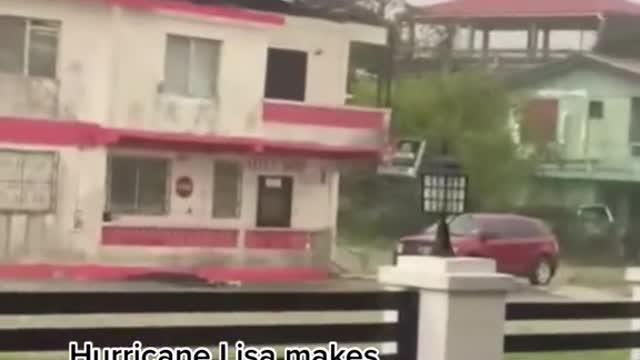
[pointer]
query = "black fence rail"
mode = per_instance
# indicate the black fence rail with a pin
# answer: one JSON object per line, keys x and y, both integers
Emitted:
{"x": 572, "y": 341}
{"x": 403, "y": 332}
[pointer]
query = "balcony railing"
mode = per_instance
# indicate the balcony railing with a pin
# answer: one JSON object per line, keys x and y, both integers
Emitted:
{"x": 328, "y": 124}
{"x": 22, "y": 96}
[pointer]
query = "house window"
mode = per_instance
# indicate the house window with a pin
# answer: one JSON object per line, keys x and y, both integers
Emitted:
{"x": 227, "y": 189}
{"x": 596, "y": 109}
{"x": 28, "y": 46}
{"x": 191, "y": 66}
{"x": 290, "y": 65}
{"x": 28, "y": 181}
{"x": 138, "y": 185}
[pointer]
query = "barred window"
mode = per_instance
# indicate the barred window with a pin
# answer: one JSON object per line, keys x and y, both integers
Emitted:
{"x": 28, "y": 180}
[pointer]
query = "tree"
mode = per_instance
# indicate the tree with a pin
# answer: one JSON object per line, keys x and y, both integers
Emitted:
{"x": 470, "y": 111}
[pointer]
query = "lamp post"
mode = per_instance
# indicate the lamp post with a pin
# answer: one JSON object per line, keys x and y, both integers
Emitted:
{"x": 444, "y": 192}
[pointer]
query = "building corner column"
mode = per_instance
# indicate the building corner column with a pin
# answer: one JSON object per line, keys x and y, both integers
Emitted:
{"x": 462, "y": 305}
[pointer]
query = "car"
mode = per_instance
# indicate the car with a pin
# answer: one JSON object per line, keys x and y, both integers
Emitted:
{"x": 521, "y": 246}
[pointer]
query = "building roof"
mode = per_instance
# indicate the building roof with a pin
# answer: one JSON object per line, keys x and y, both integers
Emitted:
{"x": 526, "y": 8}
{"x": 259, "y": 11}
{"x": 629, "y": 68}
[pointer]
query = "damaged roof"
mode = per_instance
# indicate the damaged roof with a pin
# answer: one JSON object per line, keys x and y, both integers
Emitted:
{"x": 627, "y": 67}
{"x": 334, "y": 10}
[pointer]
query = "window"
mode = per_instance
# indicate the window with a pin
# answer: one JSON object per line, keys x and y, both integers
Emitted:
{"x": 28, "y": 47}
{"x": 191, "y": 66}
{"x": 27, "y": 180}
{"x": 367, "y": 70}
{"x": 523, "y": 229}
{"x": 286, "y": 75}
{"x": 227, "y": 187}
{"x": 596, "y": 109}
{"x": 462, "y": 225}
{"x": 138, "y": 185}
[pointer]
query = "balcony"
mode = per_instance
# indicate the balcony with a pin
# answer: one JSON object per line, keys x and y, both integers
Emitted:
{"x": 344, "y": 126}
{"x": 28, "y": 97}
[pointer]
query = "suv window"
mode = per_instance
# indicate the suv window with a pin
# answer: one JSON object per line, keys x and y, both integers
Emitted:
{"x": 462, "y": 225}
{"x": 523, "y": 228}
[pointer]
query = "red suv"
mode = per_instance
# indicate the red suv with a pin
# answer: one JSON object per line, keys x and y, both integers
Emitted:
{"x": 521, "y": 246}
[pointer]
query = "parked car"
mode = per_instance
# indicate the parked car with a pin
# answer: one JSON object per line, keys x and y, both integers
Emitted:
{"x": 522, "y": 246}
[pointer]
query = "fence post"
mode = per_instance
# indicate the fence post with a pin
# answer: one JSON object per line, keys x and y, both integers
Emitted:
{"x": 632, "y": 275}
{"x": 462, "y": 305}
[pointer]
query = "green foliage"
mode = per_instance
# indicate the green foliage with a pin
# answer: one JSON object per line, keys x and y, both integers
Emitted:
{"x": 467, "y": 109}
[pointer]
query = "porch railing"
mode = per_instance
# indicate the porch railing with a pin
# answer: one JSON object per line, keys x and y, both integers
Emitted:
{"x": 572, "y": 341}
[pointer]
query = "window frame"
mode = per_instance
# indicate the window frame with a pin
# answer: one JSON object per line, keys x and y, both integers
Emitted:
{"x": 240, "y": 183}
{"x": 192, "y": 41}
{"x": 26, "y": 55}
{"x": 136, "y": 211}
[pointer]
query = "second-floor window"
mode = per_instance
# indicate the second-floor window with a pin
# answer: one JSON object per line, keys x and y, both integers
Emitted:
{"x": 191, "y": 66}
{"x": 138, "y": 185}
{"x": 28, "y": 46}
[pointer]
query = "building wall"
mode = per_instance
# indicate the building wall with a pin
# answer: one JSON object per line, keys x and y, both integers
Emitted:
{"x": 313, "y": 212}
{"x": 72, "y": 230}
{"x": 83, "y": 57}
{"x": 111, "y": 67}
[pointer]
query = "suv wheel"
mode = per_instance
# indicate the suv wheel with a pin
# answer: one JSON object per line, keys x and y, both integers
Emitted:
{"x": 542, "y": 273}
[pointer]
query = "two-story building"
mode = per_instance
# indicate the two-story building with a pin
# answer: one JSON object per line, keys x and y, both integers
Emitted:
{"x": 586, "y": 108}
{"x": 139, "y": 135}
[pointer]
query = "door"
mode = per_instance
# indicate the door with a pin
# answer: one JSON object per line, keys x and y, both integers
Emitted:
{"x": 501, "y": 244}
{"x": 286, "y": 75}
{"x": 275, "y": 195}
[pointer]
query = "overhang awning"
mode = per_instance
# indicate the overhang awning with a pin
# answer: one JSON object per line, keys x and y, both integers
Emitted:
{"x": 256, "y": 145}
{"x": 85, "y": 134}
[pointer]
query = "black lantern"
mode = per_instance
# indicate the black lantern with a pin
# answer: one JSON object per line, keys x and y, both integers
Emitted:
{"x": 444, "y": 192}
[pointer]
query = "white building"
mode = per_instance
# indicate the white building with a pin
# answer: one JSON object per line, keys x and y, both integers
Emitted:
{"x": 154, "y": 133}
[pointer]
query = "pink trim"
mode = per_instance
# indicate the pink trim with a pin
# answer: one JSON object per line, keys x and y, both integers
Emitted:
{"x": 51, "y": 132}
{"x": 77, "y": 133}
{"x": 95, "y": 272}
{"x": 169, "y": 237}
{"x": 185, "y": 7}
{"x": 277, "y": 240}
{"x": 302, "y": 114}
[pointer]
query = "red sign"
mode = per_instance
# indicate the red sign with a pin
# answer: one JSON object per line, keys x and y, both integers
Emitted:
{"x": 184, "y": 186}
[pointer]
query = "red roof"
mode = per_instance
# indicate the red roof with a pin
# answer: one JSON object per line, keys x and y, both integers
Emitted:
{"x": 527, "y": 8}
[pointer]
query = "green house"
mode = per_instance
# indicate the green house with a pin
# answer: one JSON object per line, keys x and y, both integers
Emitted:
{"x": 583, "y": 114}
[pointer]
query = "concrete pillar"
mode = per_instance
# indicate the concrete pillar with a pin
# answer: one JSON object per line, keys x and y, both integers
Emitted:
{"x": 546, "y": 43}
{"x": 472, "y": 39}
{"x": 462, "y": 305}
{"x": 532, "y": 41}
{"x": 486, "y": 37}
{"x": 633, "y": 277}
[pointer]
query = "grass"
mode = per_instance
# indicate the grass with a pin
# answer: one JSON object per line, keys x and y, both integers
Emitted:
{"x": 586, "y": 355}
